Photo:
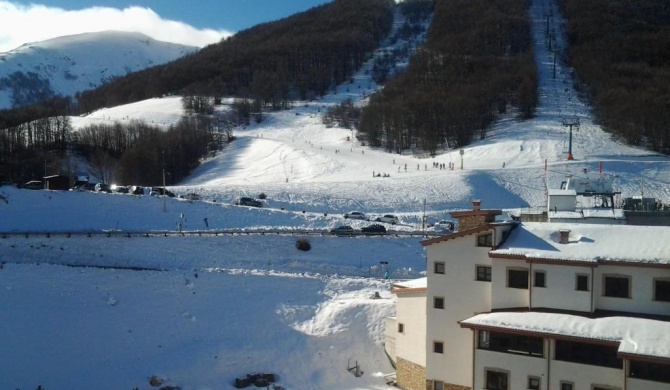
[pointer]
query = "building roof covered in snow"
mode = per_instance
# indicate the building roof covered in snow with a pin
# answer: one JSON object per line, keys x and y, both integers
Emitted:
{"x": 634, "y": 336}
{"x": 588, "y": 243}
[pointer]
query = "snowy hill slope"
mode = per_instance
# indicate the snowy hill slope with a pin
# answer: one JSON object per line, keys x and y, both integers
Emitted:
{"x": 300, "y": 163}
{"x": 70, "y": 64}
{"x": 206, "y": 310}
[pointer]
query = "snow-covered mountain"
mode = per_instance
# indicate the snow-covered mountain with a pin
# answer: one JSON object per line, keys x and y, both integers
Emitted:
{"x": 202, "y": 309}
{"x": 67, "y": 65}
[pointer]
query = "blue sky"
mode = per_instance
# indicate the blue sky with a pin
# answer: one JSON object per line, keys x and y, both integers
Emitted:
{"x": 195, "y": 23}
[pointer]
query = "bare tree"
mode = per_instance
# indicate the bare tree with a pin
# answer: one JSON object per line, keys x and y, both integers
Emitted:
{"x": 102, "y": 166}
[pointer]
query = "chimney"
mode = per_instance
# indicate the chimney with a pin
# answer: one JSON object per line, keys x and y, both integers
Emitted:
{"x": 565, "y": 236}
{"x": 476, "y": 217}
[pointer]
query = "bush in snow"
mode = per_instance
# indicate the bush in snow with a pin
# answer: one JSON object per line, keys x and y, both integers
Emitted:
{"x": 303, "y": 244}
{"x": 262, "y": 196}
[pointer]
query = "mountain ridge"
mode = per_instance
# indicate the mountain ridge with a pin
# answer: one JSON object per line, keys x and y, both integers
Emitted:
{"x": 70, "y": 64}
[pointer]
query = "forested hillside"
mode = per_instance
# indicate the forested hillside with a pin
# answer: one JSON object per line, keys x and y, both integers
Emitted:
{"x": 296, "y": 58}
{"x": 267, "y": 67}
{"x": 620, "y": 51}
{"x": 476, "y": 63}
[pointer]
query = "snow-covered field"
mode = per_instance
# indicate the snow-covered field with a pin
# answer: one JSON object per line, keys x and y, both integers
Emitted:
{"x": 209, "y": 309}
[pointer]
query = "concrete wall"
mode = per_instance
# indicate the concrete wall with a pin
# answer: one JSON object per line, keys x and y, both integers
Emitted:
{"x": 464, "y": 297}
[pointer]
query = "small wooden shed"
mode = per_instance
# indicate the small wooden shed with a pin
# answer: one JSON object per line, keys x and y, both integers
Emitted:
{"x": 57, "y": 182}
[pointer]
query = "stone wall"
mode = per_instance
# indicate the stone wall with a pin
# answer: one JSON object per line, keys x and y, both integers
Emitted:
{"x": 410, "y": 376}
{"x": 470, "y": 222}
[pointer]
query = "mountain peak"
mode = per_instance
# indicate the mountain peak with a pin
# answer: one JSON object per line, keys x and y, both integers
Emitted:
{"x": 70, "y": 64}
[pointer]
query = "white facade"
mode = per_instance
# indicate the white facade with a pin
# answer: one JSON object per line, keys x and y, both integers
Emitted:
{"x": 469, "y": 273}
{"x": 550, "y": 369}
{"x": 411, "y": 314}
{"x": 518, "y": 368}
{"x": 464, "y": 297}
{"x": 551, "y": 373}
{"x": 562, "y": 200}
{"x": 560, "y": 290}
{"x": 641, "y": 298}
{"x": 639, "y": 384}
{"x": 561, "y": 287}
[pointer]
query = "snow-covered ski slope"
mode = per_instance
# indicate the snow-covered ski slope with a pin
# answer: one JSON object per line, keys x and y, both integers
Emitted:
{"x": 292, "y": 157}
{"x": 206, "y": 310}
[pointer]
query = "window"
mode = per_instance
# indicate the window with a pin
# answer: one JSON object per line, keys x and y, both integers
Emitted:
{"x": 438, "y": 385}
{"x": 401, "y": 328}
{"x": 567, "y": 386}
{"x": 438, "y": 347}
{"x": 662, "y": 290}
{"x": 485, "y": 240}
{"x": 484, "y": 339}
{"x": 439, "y": 267}
{"x": 438, "y": 302}
{"x": 583, "y": 353}
{"x": 540, "y": 279}
{"x": 496, "y": 380}
{"x": 517, "y": 278}
{"x": 533, "y": 383}
{"x": 582, "y": 283}
{"x": 483, "y": 273}
{"x": 617, "y": 286}
{"x": 650, "y": 371}
{"x": 511, "y": 343}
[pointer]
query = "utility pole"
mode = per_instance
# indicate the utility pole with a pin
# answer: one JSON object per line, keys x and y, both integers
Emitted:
{"x": 423, "y": 219}
{"x": 571, "y": 123}
{"x": 164, "y": 194}
{"x": 554, "y": 68}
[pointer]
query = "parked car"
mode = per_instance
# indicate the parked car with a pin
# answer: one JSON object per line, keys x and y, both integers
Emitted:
{"x": 246, "y": 201}
{"x": 85, "y": 187}
{"x": 119, "y": 189}
{"x": 102, "y": 187}
{"x": 33, "y": 185}
{"x": 374, "y": 229}
{"x": 344, "y": 230}
{"x": 355, "y": 215}
{"x": 159, "y": 191}
{"x": 190, "y": 196}
{"x": 136, "y": 190}
{"x": 445, "y": 226}
{"x": 388, "y": 218}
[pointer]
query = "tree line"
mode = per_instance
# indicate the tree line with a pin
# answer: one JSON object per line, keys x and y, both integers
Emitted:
{"x": 477, "y": 62}
{"x": 267, "y": 66}
{"x": 620, "y": 51}
{"x": 133, "y": 152}
{"x": 299, "y": 57}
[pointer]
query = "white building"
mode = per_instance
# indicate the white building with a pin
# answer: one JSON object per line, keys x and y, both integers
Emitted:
{"x": 407, "y": 332}
{"x": 542, "y": 306}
